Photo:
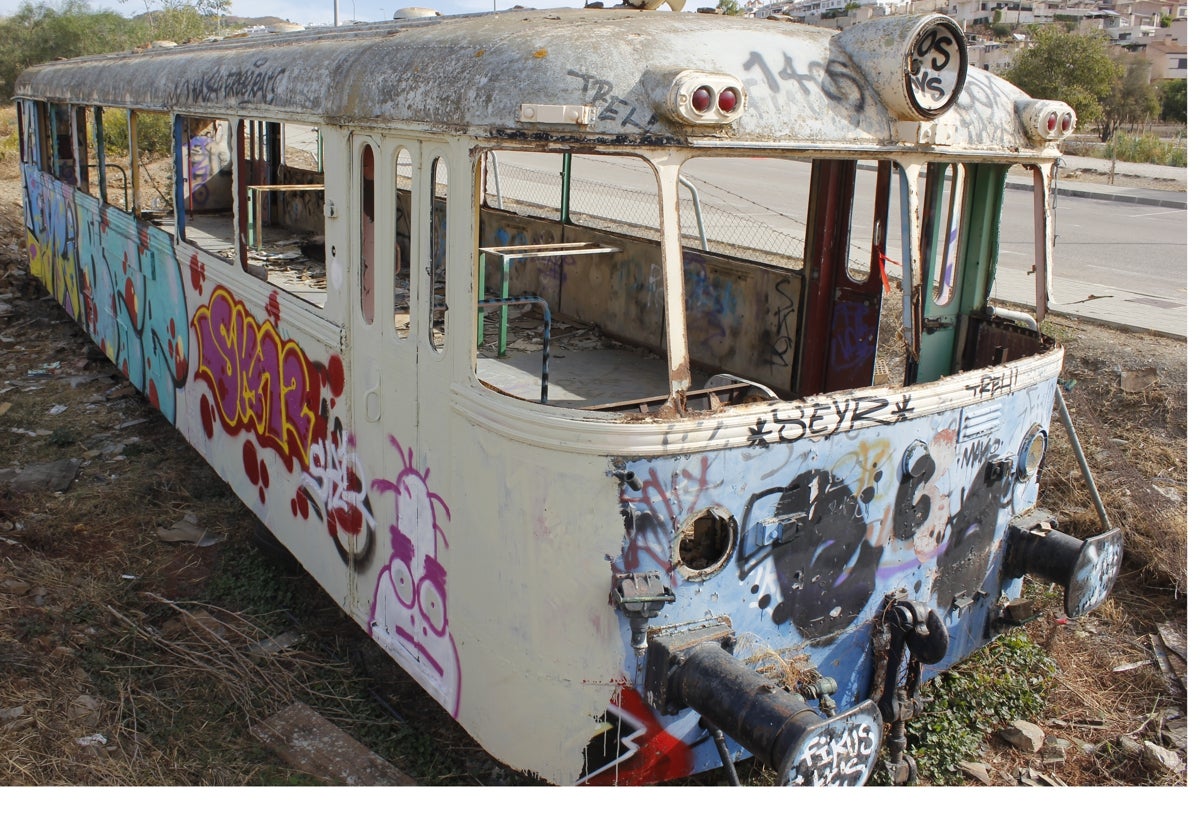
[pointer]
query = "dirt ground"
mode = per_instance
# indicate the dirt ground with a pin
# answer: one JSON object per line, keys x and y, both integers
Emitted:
{"x": 117, "y": 657}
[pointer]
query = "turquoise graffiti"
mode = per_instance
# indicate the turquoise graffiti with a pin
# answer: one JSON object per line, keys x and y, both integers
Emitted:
{"x": 116, "y": 276}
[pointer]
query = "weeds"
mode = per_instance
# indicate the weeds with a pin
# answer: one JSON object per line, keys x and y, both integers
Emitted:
{"x": 1008, "y": 680}
{"x": 1145, "y": 148}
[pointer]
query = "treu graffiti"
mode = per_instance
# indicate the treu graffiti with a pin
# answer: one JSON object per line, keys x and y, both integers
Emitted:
{"x": 119, "y": 278}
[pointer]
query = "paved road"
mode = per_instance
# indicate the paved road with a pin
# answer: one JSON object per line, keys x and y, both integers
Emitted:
{"x": 1120, "y": 255}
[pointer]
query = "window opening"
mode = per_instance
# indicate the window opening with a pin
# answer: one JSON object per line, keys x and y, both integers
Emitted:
{"x": 278, "y": 192}
{"x": 27, "y": 126}
{"x": 402, "y": 292}
{"x": 589, "y": 290}
{"x": 366, "y": 216}
{"x": 79, "y": 141}
{"x": 435, "y": 261}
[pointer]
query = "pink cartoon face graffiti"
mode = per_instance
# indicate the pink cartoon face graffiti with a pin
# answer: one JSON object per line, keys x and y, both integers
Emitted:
{"x": 408, "y": 615}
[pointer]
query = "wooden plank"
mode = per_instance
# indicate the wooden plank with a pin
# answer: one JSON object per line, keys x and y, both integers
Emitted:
{"x": 311, "y": 744}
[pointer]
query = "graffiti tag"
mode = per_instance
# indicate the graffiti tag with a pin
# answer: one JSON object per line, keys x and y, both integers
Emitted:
{"x": 262, "y": 383}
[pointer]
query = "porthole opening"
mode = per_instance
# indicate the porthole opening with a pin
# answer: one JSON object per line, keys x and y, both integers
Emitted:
{"x": 705, "y": 543}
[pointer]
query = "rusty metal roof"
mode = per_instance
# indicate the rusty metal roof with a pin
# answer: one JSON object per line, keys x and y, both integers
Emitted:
{"x": 472, "y": 74}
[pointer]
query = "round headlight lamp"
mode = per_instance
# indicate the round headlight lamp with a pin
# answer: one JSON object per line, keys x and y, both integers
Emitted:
{"x": 1031, "y": 453}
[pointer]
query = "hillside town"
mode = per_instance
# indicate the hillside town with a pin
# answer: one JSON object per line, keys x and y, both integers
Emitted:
{"x": 1152, "y": 29}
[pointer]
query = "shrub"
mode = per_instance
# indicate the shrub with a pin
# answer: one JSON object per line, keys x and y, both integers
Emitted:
{"x": 154, "y": 132}
{"x": 1146, "y": 148}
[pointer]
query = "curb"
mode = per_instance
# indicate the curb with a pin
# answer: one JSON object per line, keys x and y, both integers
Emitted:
{"x": 1128, "y": 198}
{"x": 1093, "y": 319}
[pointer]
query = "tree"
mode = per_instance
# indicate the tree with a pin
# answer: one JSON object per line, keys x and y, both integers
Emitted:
{"x": 182, "y": 20}
{"x": 1074, "y": 68}
{"x": 729, "y": 7}
{"x": 1132, "y": 100}
{"x": 1172, "y": 97}
{"x": 42, "y": 32}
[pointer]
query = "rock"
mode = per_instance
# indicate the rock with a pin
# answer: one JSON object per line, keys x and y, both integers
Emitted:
{"x": 976, "y": 770}
{"x": 1003, "y": 777}
{"x": 1130, "y": 747}
{"x": 14, "y": 587}
{"x": 1134, "y": 381}
{"x": 85, "y": 709}
{"x": 1025, "y": 736}
{"x": 1054, "y": 750}
{"x": 1160, "y": 758}
{"x": 1175, "y": 732}
{"x": 55, "y": 476}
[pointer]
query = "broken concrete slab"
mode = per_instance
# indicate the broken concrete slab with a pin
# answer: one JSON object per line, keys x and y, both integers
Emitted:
{"x": 313, "y": 745}
{"x": 1159, "y": 758}
{"x": 55, "y": 476}
{"x": 1025, "y": 736}
{"x": 976, "y": 770}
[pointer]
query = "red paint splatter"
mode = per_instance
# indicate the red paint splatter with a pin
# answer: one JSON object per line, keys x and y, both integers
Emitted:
{"x": 263, "y": 475}
{"x": 197, "y": 271}
{"x": 250, "y": 461}
{"x": 262, "y": 495}
{"x": 273, "y": 308}
{"x": 337, "y": 375}
{"x": 131, "y": 302}
{"x": 349, "y": 520}
{"x": 206, "y": 418}
{"x": 301, "y": 504}
{"x": 152, "y": 392}
{"x": 143, "y": 238}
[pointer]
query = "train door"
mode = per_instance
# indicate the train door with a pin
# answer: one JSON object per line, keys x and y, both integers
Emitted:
{"x": 401, "y": 359}
{"x": 382, "y": 364}
{"x": 959, "y": 242}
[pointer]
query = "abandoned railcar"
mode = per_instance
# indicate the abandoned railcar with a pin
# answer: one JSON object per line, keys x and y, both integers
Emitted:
{"x": 630, "y": 377}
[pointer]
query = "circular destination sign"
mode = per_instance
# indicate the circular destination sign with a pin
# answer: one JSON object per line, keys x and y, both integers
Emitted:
{"x": 937, "y": 67}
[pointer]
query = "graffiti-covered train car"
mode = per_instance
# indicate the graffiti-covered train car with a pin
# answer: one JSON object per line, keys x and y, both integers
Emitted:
{"x": 630, "y": 377}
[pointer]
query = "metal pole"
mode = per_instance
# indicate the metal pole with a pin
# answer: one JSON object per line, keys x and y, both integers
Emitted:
{"x": 690, "y": 187}
{"x": 1083, "y": 464}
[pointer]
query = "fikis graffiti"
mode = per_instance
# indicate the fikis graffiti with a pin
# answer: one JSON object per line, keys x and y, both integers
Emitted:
{"x": 262, "y": 383}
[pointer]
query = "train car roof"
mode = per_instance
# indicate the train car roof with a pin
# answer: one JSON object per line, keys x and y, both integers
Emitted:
{"x": 608, "y": 76}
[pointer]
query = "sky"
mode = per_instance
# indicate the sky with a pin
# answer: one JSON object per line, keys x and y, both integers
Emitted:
{"x": 320, "y": 12}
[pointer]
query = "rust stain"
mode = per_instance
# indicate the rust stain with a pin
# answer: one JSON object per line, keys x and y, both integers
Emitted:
{"x": 480, "y": 53}
{"x": 540, "y": 53}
